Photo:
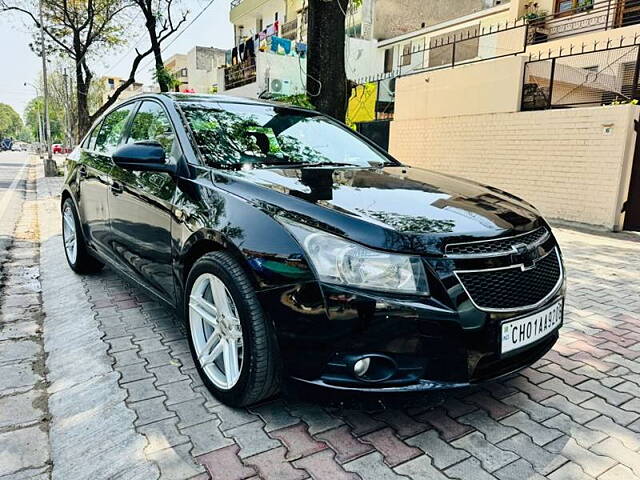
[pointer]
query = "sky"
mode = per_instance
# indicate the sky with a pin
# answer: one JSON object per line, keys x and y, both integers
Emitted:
{"x": 18, "y": 64}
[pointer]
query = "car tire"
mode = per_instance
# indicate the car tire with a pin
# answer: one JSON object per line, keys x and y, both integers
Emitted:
{"x": 75, "y": 247}
{"x": 254, "y": 371}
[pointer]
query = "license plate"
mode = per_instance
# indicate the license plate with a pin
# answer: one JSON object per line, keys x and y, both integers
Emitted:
{"x": 524, "y": 331}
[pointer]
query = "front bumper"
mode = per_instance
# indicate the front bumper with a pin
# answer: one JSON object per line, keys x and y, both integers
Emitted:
{"x": 433, "y": 346}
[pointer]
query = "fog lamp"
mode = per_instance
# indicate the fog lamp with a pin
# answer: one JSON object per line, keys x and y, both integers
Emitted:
{"x": 361, "y": 367}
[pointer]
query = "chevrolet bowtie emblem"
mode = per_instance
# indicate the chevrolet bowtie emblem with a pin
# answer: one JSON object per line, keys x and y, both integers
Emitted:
{"x": 524, "y": 256}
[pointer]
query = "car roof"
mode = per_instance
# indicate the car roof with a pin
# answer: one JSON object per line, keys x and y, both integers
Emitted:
{"x": 179, "y": 97}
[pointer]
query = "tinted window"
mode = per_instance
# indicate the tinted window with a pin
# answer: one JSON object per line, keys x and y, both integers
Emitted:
{"x": 90, "y": 141}
{"x": 151, "y": 123}
{"x": 112, "y": 128}
{"x": 263, "y": 135}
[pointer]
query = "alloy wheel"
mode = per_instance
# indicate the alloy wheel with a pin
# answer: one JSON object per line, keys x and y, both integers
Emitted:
{"x": 69, "y": 234}
{"x": 216, "y": 331}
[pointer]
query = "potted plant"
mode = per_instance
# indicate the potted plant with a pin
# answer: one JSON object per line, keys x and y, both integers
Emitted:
{"x": 535, "y": 17}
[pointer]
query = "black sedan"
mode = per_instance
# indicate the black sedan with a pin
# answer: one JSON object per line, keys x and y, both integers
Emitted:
{"x": 292, "y": 246}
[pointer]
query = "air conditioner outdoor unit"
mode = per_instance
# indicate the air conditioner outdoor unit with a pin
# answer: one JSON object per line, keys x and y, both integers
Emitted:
{"x": 278, "y": 86}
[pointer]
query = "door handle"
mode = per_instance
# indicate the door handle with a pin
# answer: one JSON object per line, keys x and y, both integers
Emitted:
{"x": 116, "y": 188}
{"x": 82, "y": 171}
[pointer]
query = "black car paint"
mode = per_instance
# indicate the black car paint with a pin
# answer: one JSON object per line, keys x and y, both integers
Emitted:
{"x": 153, "y": 226}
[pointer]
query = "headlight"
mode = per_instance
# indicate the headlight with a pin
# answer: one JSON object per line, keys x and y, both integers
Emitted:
{"x": 342, "y": 262}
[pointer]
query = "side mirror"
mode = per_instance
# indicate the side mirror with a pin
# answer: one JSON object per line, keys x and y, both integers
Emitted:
{"x": 147, "y": 156}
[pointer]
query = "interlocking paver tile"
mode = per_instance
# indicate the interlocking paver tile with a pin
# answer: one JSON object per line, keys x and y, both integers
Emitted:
{"x": 442, "y": 453}
{"x": 372, "y": 467}
{"x": 619, "y": 415}
{"x": 178, "y": 392}
{"x": 568, "y": 377}
{"x": 361, "y": 423}
{"x": 535, "y": 376}
{"x": 272, "y": 465}
{"x": 519, "y": 470}
{"x": 233, "y": 417}
{"x": 323, "y": 466}
{"x": 536, "y": 411}
{"x": 619, "y": 472}
{"x": 190, "y": 412}
{"x": 274, "y": 415}
{"x": 449, "y": 428}
{"x": 455, "y": 408}
{"x": 132, "y": 373}
{"x": 346, "y": 446}
{"x": 606, "y": 425}
{"x": 150, "y": 410}
{"x": 403, "y": 424}
{"x": 573, "y": 394}
{"x": 570, "y": 471}
{"x": 314, "y": 416}
{"x": 470, "y": 469}
{"x": 579, "y": 414}
{"x": 252, "y": 439}
{"x": 496, "y": 408}
{"x": 585, "y": 437}
{"x": 611, "y": 396}
{"x": 224, "y": 464}
{"x": 590, "y": 462}
{"x": 491, "y": 457}
{"x": 162, "y": 435}
{"x": 542, "y": 461}
{"x": 492, "y": 430}
{"x": 206, "y": 437}
{"x": 540, "y": 434}
{"x": 142, "y": 390}
{"x": 298, "y": 441}
{"x": 176, "y": 463}
{"x": 393, "y": 450}
{"x": 615, "y": 449}
{"x": 533, "y": 391}
{"x": 420, "y": 467}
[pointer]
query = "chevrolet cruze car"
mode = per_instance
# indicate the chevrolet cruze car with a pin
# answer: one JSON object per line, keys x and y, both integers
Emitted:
{"x": 295, "y": 248}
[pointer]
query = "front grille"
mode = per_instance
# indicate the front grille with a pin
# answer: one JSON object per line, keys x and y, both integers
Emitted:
{"x": 512, "y": 288}
{"x": 500, "y": 246}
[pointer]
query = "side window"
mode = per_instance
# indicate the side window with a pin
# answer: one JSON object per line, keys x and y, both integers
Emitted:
{"x": 151, "y": 123}
{"x": 90, "y": 141}
{"x": 111, "y": 129}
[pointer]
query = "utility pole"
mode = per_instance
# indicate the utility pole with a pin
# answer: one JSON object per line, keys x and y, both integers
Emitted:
{"x": 50, "y": 169}
{"x": 67, "y": 112}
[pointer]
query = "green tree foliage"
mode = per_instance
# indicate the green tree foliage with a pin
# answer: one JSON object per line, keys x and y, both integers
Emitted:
{"x": 56, "y": 119}
{"x": 10, "y": 122}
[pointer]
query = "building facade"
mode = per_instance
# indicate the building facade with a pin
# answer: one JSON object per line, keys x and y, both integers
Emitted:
{"x": 197, "y": 70}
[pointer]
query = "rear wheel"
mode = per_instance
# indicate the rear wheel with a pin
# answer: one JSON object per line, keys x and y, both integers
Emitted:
{"x": 75, "y": 248}
{"x": 233, "y": 345}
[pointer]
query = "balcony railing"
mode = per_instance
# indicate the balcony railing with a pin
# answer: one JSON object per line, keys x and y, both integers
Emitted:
{"x": 241, "y": 74}
{"x": 589, "y": 17}
{"x": 290, "y": 30}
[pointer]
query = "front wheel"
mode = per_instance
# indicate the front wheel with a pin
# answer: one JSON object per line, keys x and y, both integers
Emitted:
{"x": 233, "y": 345}
{"x": 75, "y": 248}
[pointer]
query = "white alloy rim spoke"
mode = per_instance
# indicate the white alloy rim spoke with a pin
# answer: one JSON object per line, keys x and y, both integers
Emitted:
{"x": 216, "y": 331}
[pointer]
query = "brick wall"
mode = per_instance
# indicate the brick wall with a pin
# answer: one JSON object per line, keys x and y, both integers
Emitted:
{"x": 572, "y": 164}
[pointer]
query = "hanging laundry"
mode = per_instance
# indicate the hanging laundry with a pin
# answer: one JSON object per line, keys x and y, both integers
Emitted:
{"x": 249, "y": 48}
{"x": 301, "y": 49}
{"x": 234, "y": 56}
{"x": 241, "y": 53}
{"x": 284, "y": 43}
{"x": 273, "y": 29}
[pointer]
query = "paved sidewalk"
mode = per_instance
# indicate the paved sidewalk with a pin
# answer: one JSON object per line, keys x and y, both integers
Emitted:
{"x": 24, "y": 418}
{"x": 126, "y": 400}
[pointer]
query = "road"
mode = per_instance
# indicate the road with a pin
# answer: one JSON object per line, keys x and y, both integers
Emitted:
{"x": 13, "y": 168}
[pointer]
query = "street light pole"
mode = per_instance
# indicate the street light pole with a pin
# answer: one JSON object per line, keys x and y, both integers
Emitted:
{"x": 50, "y": 169}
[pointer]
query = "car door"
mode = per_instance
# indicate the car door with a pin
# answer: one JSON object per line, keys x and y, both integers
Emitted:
{"x": 94, "y": 169}
{"x": 140, "y": 206}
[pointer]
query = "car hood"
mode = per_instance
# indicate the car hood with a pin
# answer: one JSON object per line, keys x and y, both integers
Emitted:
{"x": 405, "y": 200}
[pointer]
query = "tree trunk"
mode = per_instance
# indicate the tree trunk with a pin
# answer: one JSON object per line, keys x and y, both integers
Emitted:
{"x": 327, "y": 84}
{"x": 82, "y": 96}
{"x": 157, "y": 55}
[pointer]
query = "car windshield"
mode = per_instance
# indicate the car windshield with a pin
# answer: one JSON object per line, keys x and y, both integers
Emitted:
{"x": 240, "y": 134}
